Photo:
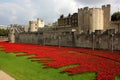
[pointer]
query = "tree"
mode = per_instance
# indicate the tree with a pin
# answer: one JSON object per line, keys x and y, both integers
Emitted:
{"x": 116, "y": 16}
{"x": 4, "y": 32}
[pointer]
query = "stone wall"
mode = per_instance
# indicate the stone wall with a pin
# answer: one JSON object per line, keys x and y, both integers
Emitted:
{"x": 95, "y": 40}
{"x": 30, "y": 38}
{"x": 3, "y": 38}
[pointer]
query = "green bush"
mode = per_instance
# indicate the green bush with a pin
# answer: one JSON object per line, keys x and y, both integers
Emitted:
{"x": 4, "y": 32}
{"x": 116, "y": 16}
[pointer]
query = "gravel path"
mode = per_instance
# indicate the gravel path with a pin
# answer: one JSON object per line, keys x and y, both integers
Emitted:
{"x": 4, "y": 76}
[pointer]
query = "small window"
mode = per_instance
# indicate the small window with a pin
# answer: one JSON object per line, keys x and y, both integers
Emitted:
{"x": 35, "y": 24}
{"x": 90, "y": 14}
{"x": 35, "y": 27}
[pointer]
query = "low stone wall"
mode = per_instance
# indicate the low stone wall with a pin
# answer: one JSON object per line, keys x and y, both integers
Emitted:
{"x": 71, "y": 39}
{"x": 3, "y": 38}
{"x": 30, "y": 38}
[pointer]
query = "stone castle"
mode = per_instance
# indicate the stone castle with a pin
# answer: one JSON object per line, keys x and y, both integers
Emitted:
{"x": 88, "y": 19}
{"x": 91, "y": 19}
{"x": 34, "y": 25}
{"x": 88, "y": 28}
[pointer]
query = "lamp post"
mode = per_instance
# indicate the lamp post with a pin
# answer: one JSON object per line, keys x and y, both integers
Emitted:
{"x": 73, "y": 36}
{"x": 93, "y": 41}
{"x": 59, "y": 41}
{"x": 118, "y": 27}
{"x": 43, "y": 40}
{"x": 112, "y": 42}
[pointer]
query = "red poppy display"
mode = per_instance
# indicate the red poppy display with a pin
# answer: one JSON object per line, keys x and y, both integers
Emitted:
{"x": 104, "y": 62}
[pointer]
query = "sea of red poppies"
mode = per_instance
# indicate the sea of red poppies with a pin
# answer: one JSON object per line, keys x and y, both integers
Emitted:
{"x": 105, "y": 63}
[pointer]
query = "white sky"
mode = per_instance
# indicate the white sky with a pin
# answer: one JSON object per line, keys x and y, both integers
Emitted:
{"x": 21, "y": 11}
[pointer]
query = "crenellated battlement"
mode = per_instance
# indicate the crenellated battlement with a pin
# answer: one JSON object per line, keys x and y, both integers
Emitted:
{"x": 91, "y": 19}
{"x": 106, "y": 6}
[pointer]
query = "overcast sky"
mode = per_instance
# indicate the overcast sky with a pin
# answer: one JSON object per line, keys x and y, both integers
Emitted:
{"x": 21, "y": 11}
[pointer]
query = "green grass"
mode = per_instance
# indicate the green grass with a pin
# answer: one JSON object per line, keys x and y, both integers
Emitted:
{"x": 21, "y": 68}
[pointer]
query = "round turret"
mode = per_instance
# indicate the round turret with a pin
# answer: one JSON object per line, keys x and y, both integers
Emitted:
{"x": 11, "y": 34}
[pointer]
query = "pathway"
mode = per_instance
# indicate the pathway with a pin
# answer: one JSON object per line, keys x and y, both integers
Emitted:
{"x": 4, "y": 76}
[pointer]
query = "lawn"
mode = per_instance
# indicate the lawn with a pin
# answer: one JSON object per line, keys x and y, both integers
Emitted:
{"x": 22, "y": 68}
{"x": 54, "y": 63}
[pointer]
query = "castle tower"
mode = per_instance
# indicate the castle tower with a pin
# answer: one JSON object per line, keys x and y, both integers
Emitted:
{"x": 96, "y": 19}
{"x": 40, "y": 23}
{"x": 86, "y": 20}
{"x": 83, "y": 19}
{"x": 107, "y": 15}
{"x": 33, "y": 26}
{"x": 11, "y": 34}
{"x": 91, "y": 19}
{"x": 80, "y": 20}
